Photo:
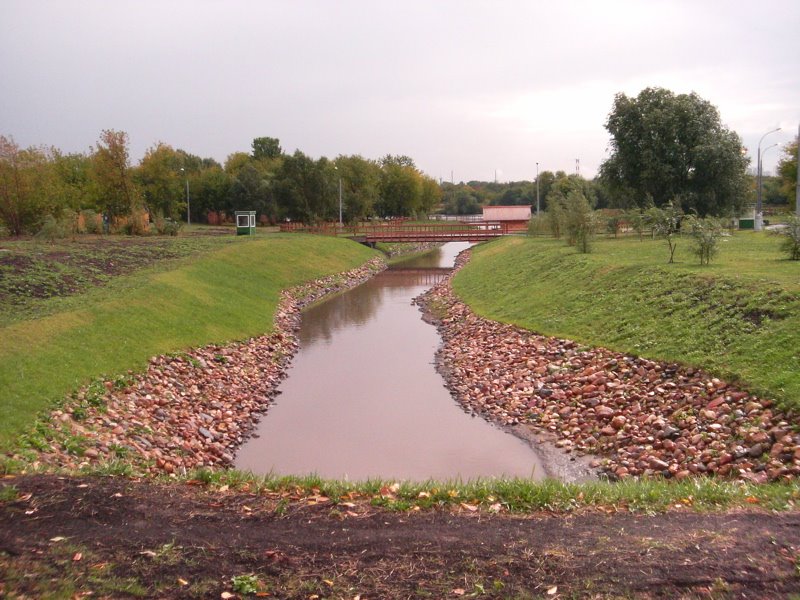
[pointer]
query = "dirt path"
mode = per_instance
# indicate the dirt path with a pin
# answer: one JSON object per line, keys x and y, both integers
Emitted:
{"x": 118, "y": 538}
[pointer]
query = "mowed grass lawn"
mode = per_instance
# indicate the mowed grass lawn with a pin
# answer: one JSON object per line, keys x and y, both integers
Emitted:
{"x": 222, "y": 294}
{"x": 738, "y": 317}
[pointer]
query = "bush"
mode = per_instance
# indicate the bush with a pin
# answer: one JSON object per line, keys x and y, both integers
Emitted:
{"x": 53, "y": 229}
{"x": 166, "y": 226}
{"x": 90, "y": 222}
{"x": 791, "y": 240}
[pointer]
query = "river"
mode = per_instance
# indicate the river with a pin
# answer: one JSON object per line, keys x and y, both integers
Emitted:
{"x": 363, "y": 399}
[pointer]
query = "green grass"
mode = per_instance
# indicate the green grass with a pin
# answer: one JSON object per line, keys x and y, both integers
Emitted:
{"x": 226, "y": 294}
{"x": 738, "y": 317}
{"x": 519, "y": 495}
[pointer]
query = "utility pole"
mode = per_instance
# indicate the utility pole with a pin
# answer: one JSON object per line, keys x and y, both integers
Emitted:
{"x": 578, "y": 167}
{"x": 537, "y": 189}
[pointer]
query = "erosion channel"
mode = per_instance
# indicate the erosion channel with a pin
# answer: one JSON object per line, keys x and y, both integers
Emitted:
{"x": 363, "y": 398}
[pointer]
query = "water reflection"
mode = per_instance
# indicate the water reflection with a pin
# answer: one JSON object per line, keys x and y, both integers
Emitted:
{"x": 363, "y": 398}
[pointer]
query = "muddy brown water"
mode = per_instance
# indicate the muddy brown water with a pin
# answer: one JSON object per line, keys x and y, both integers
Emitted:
{"x": 363, "y": 398}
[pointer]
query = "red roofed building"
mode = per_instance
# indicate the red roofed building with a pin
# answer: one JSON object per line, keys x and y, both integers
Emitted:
{"x": 514, "y": 218}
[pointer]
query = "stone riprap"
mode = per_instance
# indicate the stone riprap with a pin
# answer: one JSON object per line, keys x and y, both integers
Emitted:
{"x": 639, "y": 417}
{"x": 188, "y": 410}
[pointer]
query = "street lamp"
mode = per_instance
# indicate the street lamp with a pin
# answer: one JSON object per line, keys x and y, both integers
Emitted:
{"x": 758, "y": 221}
{"x": 537, "y": 189}
{"x": 188, "y": 217}
{"x": 335, "y": 168}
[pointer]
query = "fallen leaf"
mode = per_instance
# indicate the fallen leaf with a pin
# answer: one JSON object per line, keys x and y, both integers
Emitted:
{"x": 83, "y": 485}
{"x": 149, "y": 553}
{"x": 459, "y": 591}
{"x": 552, "y": 591}
{"x": 224, "y": 488}
{"x": 496, "y": 507}
{"x": 77, "y": 556}
{"x": 182, "y": 581}
{"x": 752, "y": 500}
{"x": 117, "y": 495}
{"x": 469, "y": 507}
{"x": 262, "y": 594}
{"x": 423, "y": 495}
{"x": 394, "y": 488}
{"x": 328, "y": 581}
{"x": 58, "y": 538}
{"x": 226, "y": 595}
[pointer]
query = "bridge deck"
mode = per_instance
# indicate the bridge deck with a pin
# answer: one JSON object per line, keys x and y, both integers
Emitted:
{"x": 439, "y": 232}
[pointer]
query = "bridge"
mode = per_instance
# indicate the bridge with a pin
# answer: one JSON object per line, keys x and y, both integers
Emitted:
{"x": 392, "y": 232}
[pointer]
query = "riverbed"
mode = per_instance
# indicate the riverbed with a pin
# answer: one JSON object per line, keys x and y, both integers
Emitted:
{"x": 363, "y": 399}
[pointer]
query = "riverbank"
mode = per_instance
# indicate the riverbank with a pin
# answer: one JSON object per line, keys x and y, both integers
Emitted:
{"x": 110, "y": 537}
{"x": 637, "y": 417}
{"x": 186, "y": 410}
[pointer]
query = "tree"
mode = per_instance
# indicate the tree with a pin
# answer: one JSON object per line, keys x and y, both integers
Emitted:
{"x": 73, "y": 186}
{"x": 25, "y": 178}
{"x": 210, "y": 192}
{"x": 430, "y": 196}
{"x": 579, "y": 221}
{"x": 400, "y": 188}
{"x": 304, "y": 189}
{"x": 111, "y": 174}
{"x": 705, "y": 235}
{"x": 462, "y": 200}
{"x": 360, "y": 179}
{"x": 665, "y": 221}
{"x": 666, "y": 145}
{"x": 161, "y": 182}
{"x": 787, "y": 170}
{"x": 266, "y": 147}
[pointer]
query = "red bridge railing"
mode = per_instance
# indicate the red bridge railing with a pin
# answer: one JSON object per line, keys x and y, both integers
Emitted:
{"x": 393, "y": 232}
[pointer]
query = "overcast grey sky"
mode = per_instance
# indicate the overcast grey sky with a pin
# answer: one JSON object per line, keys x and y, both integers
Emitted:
{"x": 464, "y": 86}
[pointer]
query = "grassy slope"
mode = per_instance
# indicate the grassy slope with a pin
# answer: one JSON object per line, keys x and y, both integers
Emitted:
{"x": 230, "y": 293}
{"x": 739, "y": 317}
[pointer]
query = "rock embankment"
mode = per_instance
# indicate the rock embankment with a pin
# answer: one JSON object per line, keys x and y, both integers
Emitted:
{"x": 639, "y": 417}
{"x": 188, "y": 410}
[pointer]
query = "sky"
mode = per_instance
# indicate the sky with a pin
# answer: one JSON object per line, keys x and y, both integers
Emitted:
{"x": 473, "y": 90}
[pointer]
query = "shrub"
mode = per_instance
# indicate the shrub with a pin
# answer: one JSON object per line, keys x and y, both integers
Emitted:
{"x": 166, "y": 226}
{"x": 90, "y": 222}
{"x": 791, "y": 240}
{"x": 53, "y": 229}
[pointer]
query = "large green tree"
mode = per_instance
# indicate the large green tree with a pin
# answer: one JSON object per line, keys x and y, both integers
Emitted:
{"x": 360, "y": 178}
{"x": 161, "y": 181}
{"x": 266, "y": 147}
{"x": 25, "y": 186}
{"x": 112, "y": 176}
{"x": 667, "y": 147}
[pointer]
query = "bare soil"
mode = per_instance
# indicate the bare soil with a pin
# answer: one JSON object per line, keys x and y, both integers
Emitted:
{"x": 116, "y": 538}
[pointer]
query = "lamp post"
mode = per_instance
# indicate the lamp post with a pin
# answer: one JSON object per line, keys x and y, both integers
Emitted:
{"x": 335, "y": 168}
{"x": 758, "y": 221}
{"x": 186, "y": 177}
{"x": 537, "y": 189}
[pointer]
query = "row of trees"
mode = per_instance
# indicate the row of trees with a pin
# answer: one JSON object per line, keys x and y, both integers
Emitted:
{"x": 37, "y": 183}
{"x": 665, "y": 149}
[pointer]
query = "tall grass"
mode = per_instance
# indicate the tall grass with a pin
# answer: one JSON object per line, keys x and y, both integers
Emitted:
{"x": 738, "y": 317}
{"x": 227, "y": 294}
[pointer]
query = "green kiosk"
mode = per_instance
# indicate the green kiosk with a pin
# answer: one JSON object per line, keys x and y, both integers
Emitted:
{"x": 245, "y": 222}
